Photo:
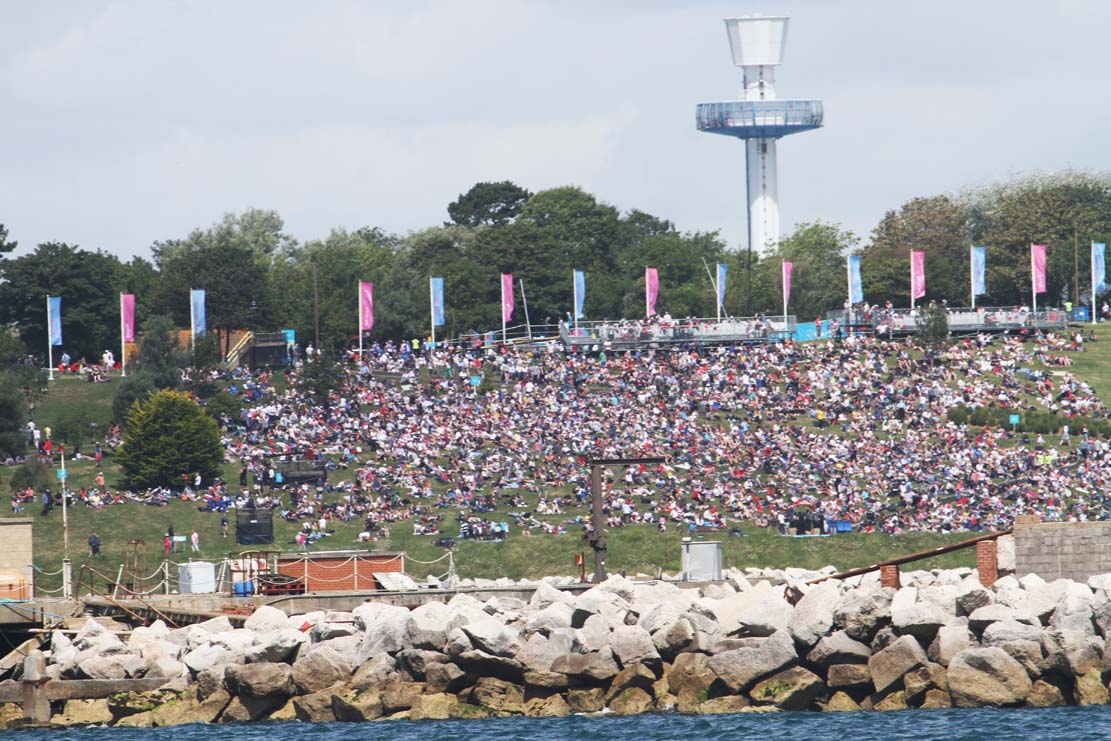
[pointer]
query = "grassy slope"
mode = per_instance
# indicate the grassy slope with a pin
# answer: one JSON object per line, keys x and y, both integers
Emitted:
{"x": 635, "y": 549}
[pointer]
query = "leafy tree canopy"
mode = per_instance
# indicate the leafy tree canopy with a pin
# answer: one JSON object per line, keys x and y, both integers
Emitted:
{"x": 169, "y": 436}
{"x": 488, "y": 204}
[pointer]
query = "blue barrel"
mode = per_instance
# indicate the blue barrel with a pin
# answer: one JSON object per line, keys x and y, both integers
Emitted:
{"x": 245, "y": 588}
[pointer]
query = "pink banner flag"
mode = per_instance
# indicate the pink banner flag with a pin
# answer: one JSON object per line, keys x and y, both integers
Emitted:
{"x": 506, "y": 297}
{"x": 1037, "y": 266}
{"x": 127, "y": 316}
{"x": 651, "y": 290}
{"x": 917, "y": 274}
{"x": 366, "y": 306}
{"x": 787, "y": 268}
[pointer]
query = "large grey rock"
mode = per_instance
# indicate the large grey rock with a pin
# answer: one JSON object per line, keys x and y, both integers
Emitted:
{"x": 206, "y": 657}
{"x": 972, "y": 597}
{"x": 593, "y": 635}
{"x": 740, "y": 668}
{"x": 864, "y": 612}
{"x": 813, "y": 615}
{"x": 428, "y": 626}
{"x": 632, "y": 644}
{"x": 165, "y": 668}
{"x": 1074, "y": 652}
{"x": 839, "y": 648}
{"x": 96, "y": 637}
{"x": 889, "y": 665}
{"x": 1075, "y": 610}
{"x": 555, "y": 615}
{"x": 921, "y": 620}
{"x": 346, "y": 646}
{"x": 319, "y": 669}
{"x": 1028, "y": 654}
{"x": 491, "y": 636}
{"x": 659, "y": 616}
{"x": 546, "y": 594}
{"x": 758, "y": 612}
{"x": 647, "y": 596}
{"x": 670, "y": 641}
{"x": 619, "y": 585}
{"x": 598, "y": 666}
{"x": 987, "y": 677}
{"x": 110, "y": 666}
{"x": 416, "y": 661}
{"x": 386, "y": 629}
{"x": 260, "y": 680}
{"x": 266, "y": 619}
{"x": 980, "y": 619}
{"x": 280, "y": 645}
{"x": 1006, "y": 631}
{"x": 538, "y": 652}
{"x": 597, "y": 601}
{"x": 237, "y": 640}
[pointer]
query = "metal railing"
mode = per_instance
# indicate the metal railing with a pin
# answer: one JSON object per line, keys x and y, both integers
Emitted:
{"x": 962, "y": 320}
{"x": 759, "y": 118}
{"x": 640, "y": 333}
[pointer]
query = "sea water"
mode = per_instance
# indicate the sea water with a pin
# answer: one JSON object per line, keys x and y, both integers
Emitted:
{"x": 1024, "y": 724}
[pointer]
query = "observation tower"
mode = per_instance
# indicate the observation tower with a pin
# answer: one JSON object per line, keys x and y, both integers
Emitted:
{"x": 757, "y": 44}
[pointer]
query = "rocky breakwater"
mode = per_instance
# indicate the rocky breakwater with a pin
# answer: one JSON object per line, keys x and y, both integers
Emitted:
{"x": 760, "y": 641}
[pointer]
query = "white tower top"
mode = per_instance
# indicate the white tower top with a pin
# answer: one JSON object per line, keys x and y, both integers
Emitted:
{"x": 756, "y": 40}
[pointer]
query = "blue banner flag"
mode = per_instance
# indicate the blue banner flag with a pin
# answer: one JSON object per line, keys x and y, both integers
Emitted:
{"x": 1099, "y": 267}
{"x": 196, "y": 311}
{"x": 979, "y": 267}
{"x": 436, "y": 288}
{"x": 856, "y": 288}
{"x": 54, "y": 318}
{"x": 723, "y": 273}
{"x": 580, "y": 293}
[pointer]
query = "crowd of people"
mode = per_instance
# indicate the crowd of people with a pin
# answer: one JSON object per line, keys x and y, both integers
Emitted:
{"x": 854, "y": 434}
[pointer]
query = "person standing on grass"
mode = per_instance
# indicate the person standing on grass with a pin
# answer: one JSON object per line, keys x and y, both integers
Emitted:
{"x": 224, "y": 525}
{"x": 94, "y": 545}
{"x": 195, "y": 541}
{"x": 167, "y": 543}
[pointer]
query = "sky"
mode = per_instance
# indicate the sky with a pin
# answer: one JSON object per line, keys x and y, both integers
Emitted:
{"x": 124, "y": 123}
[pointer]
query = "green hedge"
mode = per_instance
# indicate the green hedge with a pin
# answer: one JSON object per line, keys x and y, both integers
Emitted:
{"x": 1040, "y": 423}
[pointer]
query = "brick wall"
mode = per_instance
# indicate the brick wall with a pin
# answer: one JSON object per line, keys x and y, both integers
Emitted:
{"x": 987, "y": 562}
{"x": 16, "y": 553}
{"x": 340, "y": 573}
{"x": 1068, "y": 550}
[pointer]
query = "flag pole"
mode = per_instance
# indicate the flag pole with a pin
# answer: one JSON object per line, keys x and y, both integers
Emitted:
{"x": 123, "y": 342}
{"x": 912, "y": 281}
{"x": 849, "y": 291}
{"x": 783, "y": 282}
{"x": 1033, "y": 288}
{"x": 972, "y": 274}
{"x": 192, "y": 324}
{"x": 432, "y": 310}
{"x": 359, "y": 294}
{"x": 524, "y": 302}
{"x": 49, "y": 340}
{"x": 1093, "y": 261}
{"x": 574, "y": 301}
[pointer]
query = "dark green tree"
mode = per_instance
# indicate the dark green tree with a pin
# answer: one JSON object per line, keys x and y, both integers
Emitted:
{"x": 937, "y": 226}
{"x": 6, "y": 246}
{"x": 87, "y": 282}
{"x": 13, "y": 416}
{"x": 488, "y": 204}
{"x": 156, "y": 366}
{"x": 933, "y": 326}
{"x": 168, "y": 435}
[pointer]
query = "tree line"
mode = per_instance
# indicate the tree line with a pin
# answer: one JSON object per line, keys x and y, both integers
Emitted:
{"x": 257, "y": 276}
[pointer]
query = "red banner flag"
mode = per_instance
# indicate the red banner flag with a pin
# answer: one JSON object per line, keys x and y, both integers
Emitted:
{"x": 917, "y": 274}
{"x": 506, "y": 297}
{"x": 366, "y": 306}
{"x": 1037, "y": 267}
{"x": 127, "y": 316}
{"x": 651, "y": 290}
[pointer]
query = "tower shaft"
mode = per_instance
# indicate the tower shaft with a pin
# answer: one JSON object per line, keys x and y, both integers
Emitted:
{"x": 763, "y": 198}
